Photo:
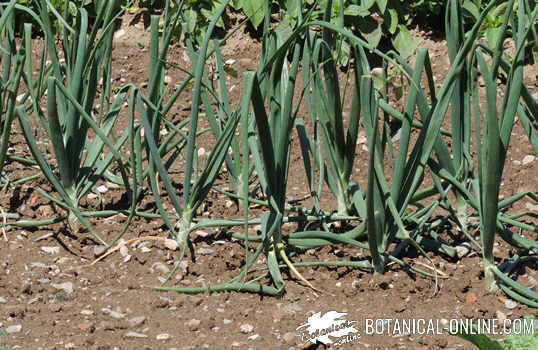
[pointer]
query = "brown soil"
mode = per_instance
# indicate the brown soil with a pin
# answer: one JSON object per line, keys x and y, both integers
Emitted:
{"x": 100, "y": 312}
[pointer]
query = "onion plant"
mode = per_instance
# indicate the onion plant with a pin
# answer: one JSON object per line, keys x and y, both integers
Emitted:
{"x": 326, "y": 112}
{"x": 13, "y": 60}
{"x": 71, "y": 94}
{"x": 494, "y": 127}
{"x": 197, "y": 181}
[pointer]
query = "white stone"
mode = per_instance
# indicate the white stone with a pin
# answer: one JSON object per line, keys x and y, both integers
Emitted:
{"x": 510, "y": 304}
{"x": 66, "y": 287}
{"x": 135, "y": 335}
{"x": 164, "y": 336}
{"x": 119, "y": 34}
{"x": 124, "y": 251}
{"x": 51, "y": 250}
{"x": 14, "y": 329}
{"x": 528, "y": 159}
{"x": 246, "y": 328}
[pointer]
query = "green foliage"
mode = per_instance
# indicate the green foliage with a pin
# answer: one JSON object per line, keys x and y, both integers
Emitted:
{"x": 62, "y": 8}
{"x": 492, "y": 27}
{"x": 373, "y": 20}
{"x": 514, "y": 341}
{"x": 522, "y": 341}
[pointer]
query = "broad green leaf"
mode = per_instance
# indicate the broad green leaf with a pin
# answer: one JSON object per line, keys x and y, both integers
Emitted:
{"x": 190, "y": 18}
{"x": 492, "y": 34}
{"x": 255, "y": 11}
{"x": 371, "y": 30}
{"x": 404, "y": 42}
{"x": 356, "y": 10}
{"x": 367, "y": 4}
{"x": 393, "y": 20}
{"x": 471, "y": 8}
{"x": 382, "y": 4}
{"x": 481, "y": 341}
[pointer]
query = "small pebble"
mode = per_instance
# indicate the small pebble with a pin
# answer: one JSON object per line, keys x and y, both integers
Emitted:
{"x": 246, "y": 328}
{"x": 510, "y": 304}
{"x": 86, "y": 312}
{"x": 463, "y": 249}
{"x": 531, "y": 207}
{"x": 528, "y": 159}
{"x": 102, "y": 189}
{"x": 51, "y": 250}
{"x": 205, "y": 251}
{"x": 119, "y": 34}
{"x": 136, "y": 321}
{"x": 255, "y": 337}
{"x": 290, "y": 338}
{"x": 124, "y": 251}
{"x": 171, "y": 244}
{"x": 135, "y": 335}
{"x": 202, "y": 234}
{"x": 38, "y": 265}
{"x": 14, "y": 329}
{"x": 63, "y": 260}
{"x": 99, "y": 250}
{"x": 501, "y": 316}
{"x": 227, "y": 321}
{"x": 193, "y": 325}
{"x": 3, "y": 300}
{"x": 164, "y": 336}
{"x": 159, "y": 267}
{"x": 113, "y": 314}
{"x": 87, "y": 327}
{"x": 66, "y": 287}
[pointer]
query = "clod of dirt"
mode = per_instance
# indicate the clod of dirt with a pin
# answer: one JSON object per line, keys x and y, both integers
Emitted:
{"x": 290, "y": 338}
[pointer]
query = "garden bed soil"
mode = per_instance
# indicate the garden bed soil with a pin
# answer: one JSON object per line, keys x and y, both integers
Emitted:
{"x": 112, "y": 304}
